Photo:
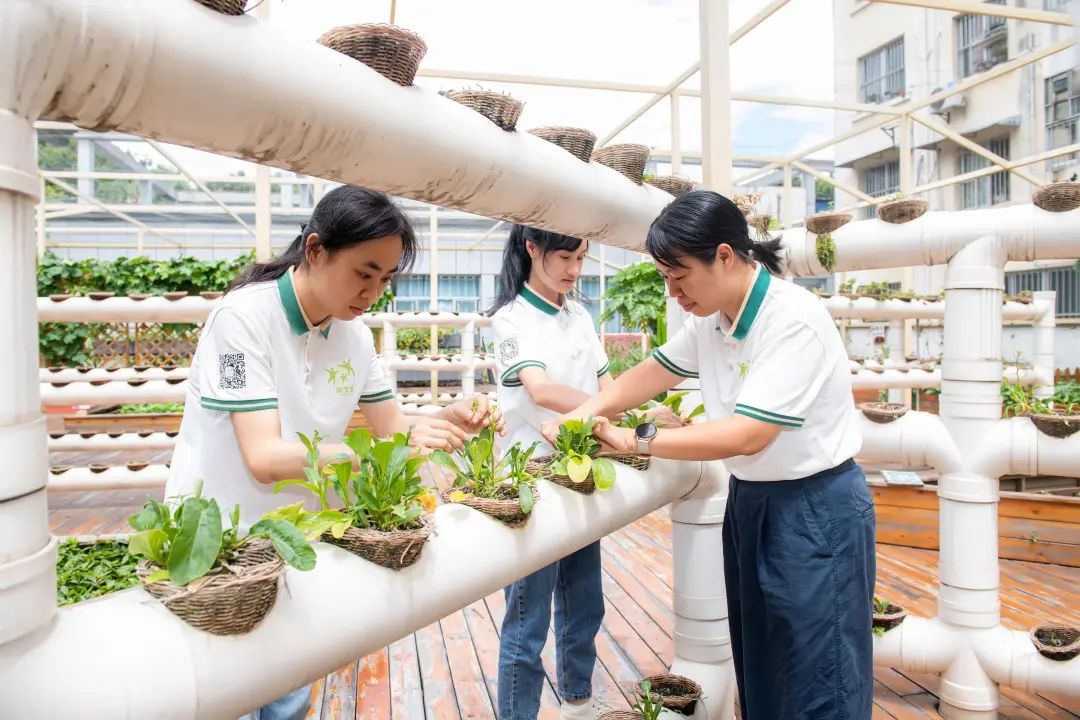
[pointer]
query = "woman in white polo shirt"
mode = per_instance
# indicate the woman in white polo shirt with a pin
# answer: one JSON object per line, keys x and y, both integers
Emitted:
{"x": 282, "y": 354}
{"x": 799, "y": 529}
{"x": 550, "y": 360}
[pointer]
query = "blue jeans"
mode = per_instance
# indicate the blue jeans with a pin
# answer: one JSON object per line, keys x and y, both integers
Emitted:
{"x": 293, "y": 706}
{"x": 799, "y": 564}
{"x": 579, "y": 610}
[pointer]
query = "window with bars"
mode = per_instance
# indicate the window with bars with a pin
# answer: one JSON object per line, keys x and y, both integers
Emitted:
{"x": 456, "y": 293}
{"x": 1065, "y": 281}
{"x": 589, "y": 287}
{"x": 880, "y": 181}
{"x": 989, "y": 189}
{"x": 1056, "y": 5}
{"x": 982, "y": 41}
{"x": 881, "y": 73}
{"x": 1063, "y": 110}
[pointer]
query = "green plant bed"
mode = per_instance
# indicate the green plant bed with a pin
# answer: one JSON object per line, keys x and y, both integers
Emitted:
{"x": 91, "y": 569}
{"x": 150, "y": 408}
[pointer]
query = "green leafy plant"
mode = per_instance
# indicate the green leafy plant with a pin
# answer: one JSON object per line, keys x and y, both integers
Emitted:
{"x": 150, "y": 408}
{"x": 478, "y": 471}
{"x": 383, "y": 492}
{"x": 673, "y": 402}
{"x": 416, "y": 341}
{"x": 847, "y": 287}
{"x": 576, "y": 447}
{"x": 825, "y": 248}
{"x": 88, "y": 570}
{"x": 384, "y": 302}
{"x": 188, "y": 541}
{"x": 649, "y": 705}
{"x": 637, "y": 295}
{"x": 621, "y": 359}
{"x": 632, "y": 418}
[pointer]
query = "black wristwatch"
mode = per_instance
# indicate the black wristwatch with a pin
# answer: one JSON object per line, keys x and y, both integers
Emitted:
{"x": 645, "y": 432}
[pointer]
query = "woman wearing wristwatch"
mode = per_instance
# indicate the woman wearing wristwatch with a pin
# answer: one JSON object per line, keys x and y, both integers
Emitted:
{"x": 799, "y": 528}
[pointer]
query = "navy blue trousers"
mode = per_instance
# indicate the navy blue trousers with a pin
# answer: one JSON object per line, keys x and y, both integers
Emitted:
{"x": 799, "y": 564}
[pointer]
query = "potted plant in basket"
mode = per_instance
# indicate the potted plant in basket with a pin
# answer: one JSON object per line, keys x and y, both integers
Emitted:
{"x": 213, "y": 576}
{"x": 900, "y": 209}
{"x": 649, "y": 706}
{"x": 382, "y": 518}
{"x": 675, "y": 692}
{"x": 502, "y": 488}
{"x": 632, "y": 418}
{"x": 886, "y": 615}
{"x": 823, "y": 225}
{"x": 1056, "y": 642}
{"x": 577, "y": 463}
{"x": 1057, "y": 417}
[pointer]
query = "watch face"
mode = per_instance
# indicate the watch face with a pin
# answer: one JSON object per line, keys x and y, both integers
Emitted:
{"x": 645, "y": 430}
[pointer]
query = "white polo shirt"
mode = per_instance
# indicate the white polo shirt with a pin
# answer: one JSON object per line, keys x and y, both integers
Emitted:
{"x": 259, "y": 351}
{"x": 781, "y": 361}
{"x": 533, "y": 332}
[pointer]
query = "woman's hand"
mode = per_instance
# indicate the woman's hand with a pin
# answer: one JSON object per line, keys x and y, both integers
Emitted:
{"x": 620, "y": 440}
{"x": 474, "y": 414}
{"x": 550, "y": 428}
{"x": 432, "y": 433}
{"x": 662, "y": 417}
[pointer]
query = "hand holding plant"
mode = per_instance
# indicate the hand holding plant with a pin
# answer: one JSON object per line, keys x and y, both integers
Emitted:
{"x": 576, "y": 446}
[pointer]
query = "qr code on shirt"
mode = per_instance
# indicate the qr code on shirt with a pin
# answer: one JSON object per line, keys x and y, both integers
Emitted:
{"x": 508, "y": 349}
{"x": 232, "y": 371}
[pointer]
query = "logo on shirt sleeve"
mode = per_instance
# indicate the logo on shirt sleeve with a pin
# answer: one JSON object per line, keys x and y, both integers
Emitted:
{"x": 232, "y": 370}
{"x": 508, "y": 350}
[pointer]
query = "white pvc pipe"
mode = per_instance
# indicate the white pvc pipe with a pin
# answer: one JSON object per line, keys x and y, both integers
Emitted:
{"x": 107, "y": 442}
{"x": 127, "y": 65}
{"x": 1026, "y": 232}
{"x": 866, "y": 379}
{"x": 917, "y": 439}
{"x": 152, "y": 477}
{"x": 1010, "y": 658}
{"x": 84, "y": 393}
{"x": 90, "y": 641}
{"x": 870, "y": 309}
{"x": 923, "y": 645}
{"x": 67, "y": 375}
{"x": 1043, "y": 357}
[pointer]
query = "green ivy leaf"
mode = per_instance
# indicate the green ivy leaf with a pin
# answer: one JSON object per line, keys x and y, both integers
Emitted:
{"x": 287, "y": 540}
{"x": 149, "y": 544}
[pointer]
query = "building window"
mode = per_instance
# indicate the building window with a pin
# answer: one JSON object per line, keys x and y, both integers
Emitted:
{"x": 881, "y": 73}
{"x": 1065, "y": 281}
{"x": 982, "y": 41}
{"x": 589, "y": 287}
{"x": 880, "y": 181}
{"x": 1063, "y": 111}
{"x": 989, "y": 189}
{"x": 456, "y": 293}
{"x": 1056, "y": 5}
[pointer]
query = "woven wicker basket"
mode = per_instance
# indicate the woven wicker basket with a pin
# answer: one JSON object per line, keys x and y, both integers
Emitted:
{"x": 628, "y": 159}
{"x": 828, "y": 222}
{"x": 619, "y": 715}
{"x": 232, "y": 598}
{"x": 506, "y": 509}
{"x": 1057, "y": 197}
{"x": 676, "y": 692}
{"x": 499, "y": 108}
{"x": 395, "y": 550}
{"x": 902, "y": 211}
{"x": 882, "y": 412}
{"x": 746, "y": 202}
{"x": 225, "y": 7}
{"x": 1069, "y": 635}
{"x": 893, "y": 616}
{"x": 540, "y": 467}
{"x": 760, "y": 222}
{"x": 576, "y": 141}
{"x": 389, "y": 50}
{"x": 1059, "y": 426}
{"x": 672, "y": 185}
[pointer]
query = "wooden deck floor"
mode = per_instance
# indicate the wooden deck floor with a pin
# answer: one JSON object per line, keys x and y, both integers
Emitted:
{"x": 448, "y": 670}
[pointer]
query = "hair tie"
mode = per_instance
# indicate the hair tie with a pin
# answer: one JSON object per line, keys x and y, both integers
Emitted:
{"x": 303, "y": 230}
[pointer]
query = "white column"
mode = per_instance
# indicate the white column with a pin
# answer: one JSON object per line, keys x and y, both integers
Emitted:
{"x": 1043, "y": 358}
{"x": 894, "y": 339}
{"x": 42, "y": 236}
{"x": 715, "y": 95}
{"x": 27, "y": 553}
{"x": 263, "y": 218}
{"x": 676, "y": 134}
{"x": 433, "y": 285}
{"x": 787, "y": 215}
{"x": 906, "y": 180}
{"x": 85, "y": 163}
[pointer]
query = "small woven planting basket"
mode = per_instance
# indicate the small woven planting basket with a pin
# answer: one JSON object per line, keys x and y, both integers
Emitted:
{"x": 893, "y": 616}
{"x": 225, "y": 7}
{"x": 902, "y": 211}
{"x": 506, "y": 509}
{"x": 628, "y": 159}
{"x": 824, "y": 223}
{"x": 676, "y": 692}
{"x": 882, "y": 412}
{"x": 672, "y": 185}
{"x": 619, "y": 715}
{"x": 1057, "y": 197}
{"x": 540, "y": 467}
{"x": 395, "y": 549}
{"x": 760, "y": 222}
{"x": 389, "y": 50}
{"x": 499, "y": 108}
{"x": 576, "y": 141}
{"x": 232, "y": 598}
{"x": 1059, "y": 426}
{"x": 1070, "y": 636}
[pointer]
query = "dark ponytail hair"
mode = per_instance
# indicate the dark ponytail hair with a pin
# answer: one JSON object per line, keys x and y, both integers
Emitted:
{"x": 697, "y": 223}
{"x": 345, "y": 216}
{"x": 516, "y": 263}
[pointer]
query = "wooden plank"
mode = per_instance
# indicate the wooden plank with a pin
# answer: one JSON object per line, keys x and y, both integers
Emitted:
{"x": 468, "y": 679}
{"x": 632, "y": 616}
{"x": 1040, "y": 507}
{"x": 373, "y": 687}
{"x": 440, "y": 700}
{"x": 659, "y": 611}
{"x": 406, "y": 689}
{"x": 315, "y": 709}
{"x": 486, "y": 644}
{"x": 339, "y": 693}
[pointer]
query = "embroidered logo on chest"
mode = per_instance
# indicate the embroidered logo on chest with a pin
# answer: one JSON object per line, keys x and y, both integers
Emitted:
{"x": 744, "y": 368}
{"x": 341, "y": 377}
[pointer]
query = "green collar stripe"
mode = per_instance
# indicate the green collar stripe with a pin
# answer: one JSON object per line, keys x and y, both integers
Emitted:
{"x": 778, "y": 416}
{"x": 753, "y": 304}
{"x": 541, "y": 304}
{"x": 291, "y": 304}
{"x": 670, "y": 366}
{"x": 765, "y": 418}
{"x": 377, "y": 397}
{"x": 510, "y": 376}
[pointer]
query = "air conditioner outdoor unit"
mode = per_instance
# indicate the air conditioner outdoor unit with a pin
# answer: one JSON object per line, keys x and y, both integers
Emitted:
{"x": 947, "y": 104}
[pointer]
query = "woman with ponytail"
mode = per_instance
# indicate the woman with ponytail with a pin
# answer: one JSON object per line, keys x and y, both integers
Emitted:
{"x": 798, "y": 540}
{"x": 550, "y": 360}
{"x": 283, "y": 353}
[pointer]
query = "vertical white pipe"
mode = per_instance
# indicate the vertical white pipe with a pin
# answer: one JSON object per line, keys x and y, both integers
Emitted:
{"x": 27, "y": 554}
{"x": 1043, "y": 330}
{"x": 894, "y": 340}
{"x": 468, "y": 377}
{"x": 603, "y": 285}
{"x": 715, "y": 95}
{"x": 433, "y": 287}
{"x": 676, "y": 135}
{"x": 787, "y": 215}
{"x": 906, "y": 180}
{"x": 389, "y": 351}
{"x": 263, "y": 220}
{"x": 140, "y": 242}
{"x": 41, "y": 235}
